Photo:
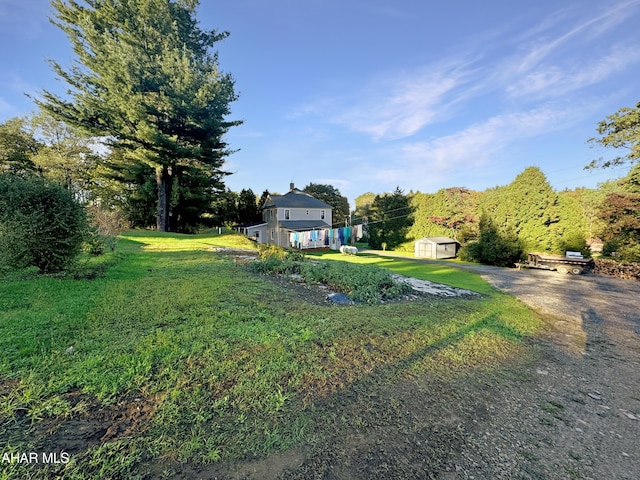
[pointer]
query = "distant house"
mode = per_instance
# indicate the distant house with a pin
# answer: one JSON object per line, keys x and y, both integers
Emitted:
{"x": 254, "y": 231}
{"x": 595, "y": 245}
{"x": 436, "y": 247}
{"x": 295, "y": 219}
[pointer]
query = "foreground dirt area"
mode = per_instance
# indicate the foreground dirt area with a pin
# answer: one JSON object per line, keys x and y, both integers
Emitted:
{"x": 573, "y": 412}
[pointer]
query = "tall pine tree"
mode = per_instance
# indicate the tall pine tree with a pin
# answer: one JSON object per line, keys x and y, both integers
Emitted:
{"x": 389, "y": 220}
{"x": 145, "y": 81}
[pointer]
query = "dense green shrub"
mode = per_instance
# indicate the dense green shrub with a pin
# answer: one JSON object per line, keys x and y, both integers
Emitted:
{"x": 620, "y": 251}
{"x": 275, "y": 259}
{"x": 41, "y": 224}
{"x": 493, "y": 247}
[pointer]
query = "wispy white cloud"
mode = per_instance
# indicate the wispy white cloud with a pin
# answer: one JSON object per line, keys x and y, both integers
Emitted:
{"x": 556, "y": 80}
{"x": 562, "y": 55}
{"x": 547, "y": 62}
{"x": 419, "y": 164}
{"x": 398, "y": 105}
{"x": 553, "y": 36}
{"x": 410, "y": 105}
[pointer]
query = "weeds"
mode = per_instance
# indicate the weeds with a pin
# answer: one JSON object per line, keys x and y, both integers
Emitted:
{"x": 362, "y": 283}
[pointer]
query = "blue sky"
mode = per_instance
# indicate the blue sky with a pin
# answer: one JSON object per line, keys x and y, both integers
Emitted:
{"x": 367, "y": 95}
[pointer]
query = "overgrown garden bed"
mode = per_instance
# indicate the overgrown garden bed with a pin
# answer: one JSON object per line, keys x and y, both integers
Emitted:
{"x": 361, "y": 283}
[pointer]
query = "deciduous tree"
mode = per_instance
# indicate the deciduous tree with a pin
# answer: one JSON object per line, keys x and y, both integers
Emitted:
{"x": 331, "y": 196}
{"x": 620, "y": 131}
{"x": 621, "y": 214}
{"x": 450, "y": 212}
{"x": 65, "y": 156}
{"x": 17, "y": 147}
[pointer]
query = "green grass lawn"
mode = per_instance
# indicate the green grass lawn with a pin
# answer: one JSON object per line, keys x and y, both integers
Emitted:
{"x": 227, "y": 364}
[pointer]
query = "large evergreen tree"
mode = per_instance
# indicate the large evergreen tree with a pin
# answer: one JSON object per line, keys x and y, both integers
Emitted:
{"x": 528, "y": 206}
{"x": 389, "y": 220}
{"x": 146, "y": 82}
{"x": 247, "y": 207}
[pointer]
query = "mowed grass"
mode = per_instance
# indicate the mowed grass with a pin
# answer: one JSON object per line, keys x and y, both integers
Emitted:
{"x": 434, "y": 272}
{"x": 230, "y": 365}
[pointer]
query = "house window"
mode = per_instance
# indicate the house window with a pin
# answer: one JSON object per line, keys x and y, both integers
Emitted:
{"x": 272, "y": 231}
{"x": 322, "y": 214}
{"x": 286, "y": 214}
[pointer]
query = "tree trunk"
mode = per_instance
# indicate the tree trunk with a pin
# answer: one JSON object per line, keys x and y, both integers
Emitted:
{"x": 164, "y": 182}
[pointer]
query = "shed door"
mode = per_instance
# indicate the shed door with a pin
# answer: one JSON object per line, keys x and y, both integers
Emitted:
{"x": 424, "y": 249}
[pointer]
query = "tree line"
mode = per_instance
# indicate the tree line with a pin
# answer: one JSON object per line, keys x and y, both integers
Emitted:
{"x": 501, "y": 224}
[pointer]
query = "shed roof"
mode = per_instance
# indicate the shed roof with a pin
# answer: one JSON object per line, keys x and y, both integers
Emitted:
{"x": 438, "y": 240}
{"x": 295, "y": 199}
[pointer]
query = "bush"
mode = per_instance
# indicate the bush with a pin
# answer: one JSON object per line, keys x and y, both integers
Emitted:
{"x": 105, "y": 226}
{"x": 622, "y": 251}
{"x": 493, "y": 247}
{"x": 277, "y": 260}
{"x": 41, "y": 224}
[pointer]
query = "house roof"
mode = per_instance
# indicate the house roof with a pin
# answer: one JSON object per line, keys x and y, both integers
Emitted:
{"x": 295, "y": 199}
{"x": 301, "y": 225}
{"x": 438, "y": 240}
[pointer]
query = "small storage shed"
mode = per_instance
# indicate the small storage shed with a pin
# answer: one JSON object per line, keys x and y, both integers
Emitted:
{"x": 436, "y": 247}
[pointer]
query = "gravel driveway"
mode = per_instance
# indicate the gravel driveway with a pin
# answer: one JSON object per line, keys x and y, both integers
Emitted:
{"x": 589, "y": 297}
{"x": 577, "y": 414}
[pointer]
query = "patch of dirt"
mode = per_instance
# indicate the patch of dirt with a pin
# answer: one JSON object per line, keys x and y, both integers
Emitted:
{"x": 300, "y": 290}
{"x": 91, "y": 423}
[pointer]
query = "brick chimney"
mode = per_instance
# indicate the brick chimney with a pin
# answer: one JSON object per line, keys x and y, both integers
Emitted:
{"x": 291, "y": 187}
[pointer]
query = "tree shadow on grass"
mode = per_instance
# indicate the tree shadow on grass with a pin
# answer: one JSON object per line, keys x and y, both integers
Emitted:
{"x": 381, "y": 425}
{"x": 395, "y": 370}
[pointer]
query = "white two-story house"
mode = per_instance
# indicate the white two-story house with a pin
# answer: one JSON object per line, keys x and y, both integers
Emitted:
{"x": 295, "y": 212}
